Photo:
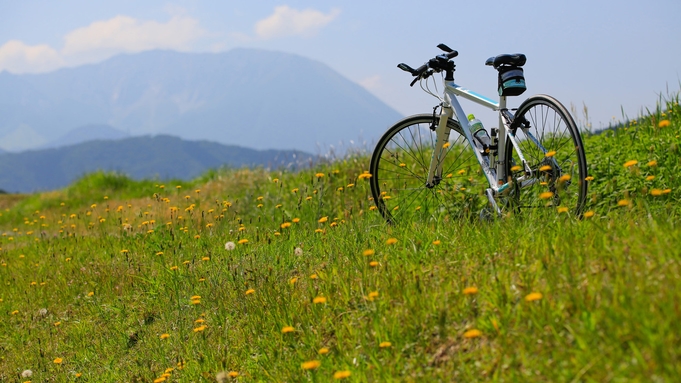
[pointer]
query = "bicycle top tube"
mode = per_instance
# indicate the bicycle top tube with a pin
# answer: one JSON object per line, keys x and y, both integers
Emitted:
{"x": 468, "y": 94}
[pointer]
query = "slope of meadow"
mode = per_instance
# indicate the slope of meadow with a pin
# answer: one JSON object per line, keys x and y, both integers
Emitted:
{"x": 252, "y": 275}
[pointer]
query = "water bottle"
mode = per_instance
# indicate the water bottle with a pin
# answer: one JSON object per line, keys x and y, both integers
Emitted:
{"x": 480, "y": 135}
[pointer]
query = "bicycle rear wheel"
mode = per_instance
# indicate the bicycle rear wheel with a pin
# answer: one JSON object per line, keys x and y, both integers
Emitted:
{"x": 552, "y": 146}
{"x": 399, "y": 168}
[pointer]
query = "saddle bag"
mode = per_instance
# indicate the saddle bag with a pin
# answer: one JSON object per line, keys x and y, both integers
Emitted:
{"x": 511, "y": 81}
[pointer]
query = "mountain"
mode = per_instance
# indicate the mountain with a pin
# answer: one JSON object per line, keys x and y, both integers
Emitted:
{"x": 252, "y": 98}
{"x": 87, "y": 133}
{"x": 160, "y": 156}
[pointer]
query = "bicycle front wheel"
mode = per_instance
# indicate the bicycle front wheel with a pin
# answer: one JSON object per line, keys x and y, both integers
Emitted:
{"x": 552, "y": 146}
{"x": 399, "y": 168}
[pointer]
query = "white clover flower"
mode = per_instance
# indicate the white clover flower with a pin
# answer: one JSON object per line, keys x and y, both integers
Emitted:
{"x": 230, "y": 246}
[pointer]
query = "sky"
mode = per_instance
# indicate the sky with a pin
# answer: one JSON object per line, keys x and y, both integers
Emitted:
{"x": 610, "y": 57}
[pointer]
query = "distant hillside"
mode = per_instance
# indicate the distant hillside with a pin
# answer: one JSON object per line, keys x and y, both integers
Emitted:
{"x": 251, "y": 98}
{"x": 159, "y": 157}
{"x": 87, "y": 133}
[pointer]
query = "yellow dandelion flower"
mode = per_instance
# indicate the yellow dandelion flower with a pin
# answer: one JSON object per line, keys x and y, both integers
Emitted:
{"x": 630, "y": 163}
{"x": 515, "y": 168}
{"x": 472, "y": 290}
{"x": 650, "y": 178}
{"x": 165, "y": 336}
{"x": 664, "y": 123}
{"x": 445, "y": 145}
{"x": 533, "y": 297}
{"x": 287, "y": 329}
{"x": 91, "y": 293}
{"x": 372, "y": 208}
{"x": 623, "y": 202}
{"x": 319, "y": 231}
{"x": 295, "y": 220}
{"x": 385, "y": 344}
{"x": 276, "y": 180}
{"x": 391, "y": 241}
{"x": 589, "y": 214}
{"x": 437, "y": 242}
{"x": 159, "y": 253}
{"x": 373, "y": 263}
{"x": 323, "y": 351}
{"x": 173, "y": 268}
{"x": 349, "y": 185}
{"x": 364, "y": 176}
{"x": 652, "y": 163}
{"x": 319, "y": 175}
{"x": 233, "y": 374}
{"x": 319, "y": 300}
{"x": 243, "y": 241}
{"x": 342, "y": 374}
{"x": 311, "y": 364}
{"x": 666, "y": 191}
{"x": 656, "y": 192}
{"x": 368, "y": 252}
{"x": 545, "y": 168}
{"x": 250, "y": 291}
{"x": 56, "y": 324}
{"x": 550, "y": 153}
{"x": 58, "y": 360}
{"x": 15, "y": 312}
{"x": 200, "y": 328}
{"x": 564, "y": 178}
{"x": 323, "y": 219}
{"x": 333, "y": 224}
{"x": 546, "y": 195}
{"x": 285, "y": 225}
{"x": 372, "y": 295}
{"x": 473, "y": 333}
{"x": 313, "y": 276}
{"x": 159, "y": 380}
{"x": 562, "y": 209}
{"x": 403, "y": 165}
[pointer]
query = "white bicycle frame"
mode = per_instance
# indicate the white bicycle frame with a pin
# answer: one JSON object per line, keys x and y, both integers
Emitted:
{"x": 495, "y": 173}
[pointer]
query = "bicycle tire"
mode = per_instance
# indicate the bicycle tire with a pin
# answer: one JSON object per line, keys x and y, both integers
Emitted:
{"x": 558, "y": 180}
{"x": 399, "y": 168}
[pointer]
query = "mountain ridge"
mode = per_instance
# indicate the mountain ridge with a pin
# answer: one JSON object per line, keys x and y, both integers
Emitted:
{"x": 160, "y": 157}
{"x": 252, "y": 98}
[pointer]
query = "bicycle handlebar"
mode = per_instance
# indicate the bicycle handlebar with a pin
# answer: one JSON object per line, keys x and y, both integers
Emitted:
{"x": 435, "y": 65}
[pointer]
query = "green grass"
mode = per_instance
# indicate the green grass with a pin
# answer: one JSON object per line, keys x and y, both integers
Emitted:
{"x": 97, "y": 281}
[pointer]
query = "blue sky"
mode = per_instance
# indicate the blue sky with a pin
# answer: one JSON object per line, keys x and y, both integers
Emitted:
{"x": 608, "y": 55}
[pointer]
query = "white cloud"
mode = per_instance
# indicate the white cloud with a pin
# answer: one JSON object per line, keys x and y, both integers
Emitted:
{"x": 17, "y": 57}
{"x": 101, "y": 40}
{"x": 286, "y": 21}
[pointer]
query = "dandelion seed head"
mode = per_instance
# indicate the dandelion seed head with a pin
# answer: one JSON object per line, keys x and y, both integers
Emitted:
{"x": 26, "y": 374}
{"x": 298, "y": 251}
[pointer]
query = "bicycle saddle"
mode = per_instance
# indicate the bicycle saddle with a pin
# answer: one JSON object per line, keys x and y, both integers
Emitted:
{"x": 517, "y": 59}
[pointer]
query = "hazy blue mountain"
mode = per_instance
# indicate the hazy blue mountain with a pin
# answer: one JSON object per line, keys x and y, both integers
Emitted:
{"x": 245, "y": 97}
{"x": 160, "y": 157}
{"x": 87, "y": 133}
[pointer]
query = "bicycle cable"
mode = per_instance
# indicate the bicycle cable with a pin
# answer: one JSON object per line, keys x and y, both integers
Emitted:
{"x": 427, "y": 87}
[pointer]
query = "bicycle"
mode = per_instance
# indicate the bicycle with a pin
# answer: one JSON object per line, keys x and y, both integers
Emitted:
{"x": 534, "y": 159}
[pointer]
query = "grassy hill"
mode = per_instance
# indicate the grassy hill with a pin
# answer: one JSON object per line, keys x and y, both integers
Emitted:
{"x": 250, "y": 275}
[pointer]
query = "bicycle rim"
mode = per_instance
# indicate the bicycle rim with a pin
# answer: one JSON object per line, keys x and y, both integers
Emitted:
{"x": 399, "y": 168}
{"x": 552, "y": 146}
